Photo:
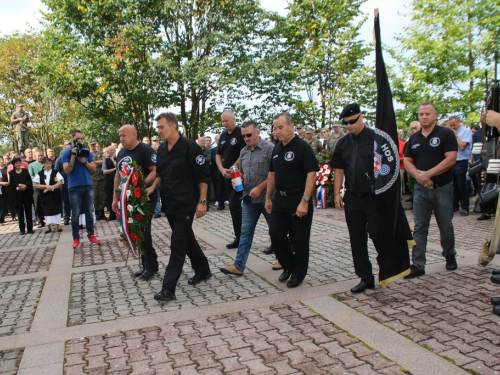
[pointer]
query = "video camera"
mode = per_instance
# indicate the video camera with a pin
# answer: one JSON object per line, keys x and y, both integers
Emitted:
{"x": 80, "y": 150}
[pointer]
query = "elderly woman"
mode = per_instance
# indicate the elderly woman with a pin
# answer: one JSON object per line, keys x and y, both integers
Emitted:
{"x": 49, "y": 182}
{"x": 21, "y": 187}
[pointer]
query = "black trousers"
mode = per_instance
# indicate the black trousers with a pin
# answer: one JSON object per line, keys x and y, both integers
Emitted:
{"x": 23, "y": 207}
{"x": 150, "y": 260}
{"x": 361, "y": 219}
{"x": 38, "y": 207}
{"x": 8, "y": 205}
{"x": 234, "y": 207}
{"x": 65, "y": 203}
{"x": 283, "y": 223}
{"x": 109, "y": 192}
{"x": 183, "y": 243}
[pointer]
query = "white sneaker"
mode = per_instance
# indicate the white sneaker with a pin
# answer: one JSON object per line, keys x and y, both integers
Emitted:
{"x": 216, "y": 204}
{"x": 226, "y": 202}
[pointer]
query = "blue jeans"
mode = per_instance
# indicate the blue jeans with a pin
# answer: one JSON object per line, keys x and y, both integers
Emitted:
{"x": 158, "y": 204}
{"x": 82, "y": 196}
{"x": 250, "y": 216}
{"x": 424, "y": 201}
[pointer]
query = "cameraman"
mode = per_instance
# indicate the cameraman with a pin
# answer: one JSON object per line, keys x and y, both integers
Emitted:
{"x": 78, "y": 163}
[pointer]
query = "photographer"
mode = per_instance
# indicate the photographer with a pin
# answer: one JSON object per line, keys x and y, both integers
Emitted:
{"x": 78, "y": 163}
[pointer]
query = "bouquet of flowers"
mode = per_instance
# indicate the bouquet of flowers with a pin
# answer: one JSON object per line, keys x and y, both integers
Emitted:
{"x": 324, "y": 180}
{"x": 134, "y": 211}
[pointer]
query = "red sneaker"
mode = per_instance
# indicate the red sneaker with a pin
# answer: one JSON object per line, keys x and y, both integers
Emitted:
{"x": 76, "y": 243}
{"x": 94, "y": 240}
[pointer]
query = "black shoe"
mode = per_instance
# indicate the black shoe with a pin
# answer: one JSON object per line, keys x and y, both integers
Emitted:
{"x": 484, "y": 217}
{"x": 293, "y": 282}
{"x": 147, "y": 274}
{"x": 415, "y": 272}
{"x": 164, "y": 295}
{"x": 451, "y": 263}
{"x": 495, "y": 279}
{"x": 111, "y": 217}
{"x": 66, "y": 222}
{"x": 496, "y": 310}
{"x": 495, "y": 272}
{"x": 268, "y": 250}
{"x": 220, "y": 208}
{"x": 285, "y": 275}
{"x": 81, "y": 226}
{"x": 362, "y": 286}
{"x": 21, "y": 233}
{"x": 48, "y": 231}
{"x": 234, "y": 244}
{"x": 30, "y": 232}
{"x": 495, "y": 301}
{"x": 139, "y": 273}
{"x": 41, "y": 225}
{"x": 464, "y": 213}
{"x": 408, "y": 199}
{"x": 196, "y": 279}
{"x": 156, "y": 216}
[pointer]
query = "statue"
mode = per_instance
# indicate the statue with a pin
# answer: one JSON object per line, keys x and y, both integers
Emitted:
{"x": 21, "y": 118}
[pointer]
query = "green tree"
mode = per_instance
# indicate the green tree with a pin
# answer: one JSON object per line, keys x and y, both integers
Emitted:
{"x": 443, "y": 54}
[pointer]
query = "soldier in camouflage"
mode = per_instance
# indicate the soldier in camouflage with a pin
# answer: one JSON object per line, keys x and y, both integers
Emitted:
{"x": 300, "y": 131}
{"x": 21, "y": 118}
{"x": 98, "y": 182}
{"x": 311, "y": 141}
{"x": 335, "y": 137}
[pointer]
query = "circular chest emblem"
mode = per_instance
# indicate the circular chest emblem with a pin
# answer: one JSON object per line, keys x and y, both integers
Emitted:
{"x": 200, "y": 160}
{"x": 125, "y": 160}
{"x": 233, "y": 141}
{"x": 153, "y": 158}
{"x": 434, "y": 142}
{"x": 289, "y": 155}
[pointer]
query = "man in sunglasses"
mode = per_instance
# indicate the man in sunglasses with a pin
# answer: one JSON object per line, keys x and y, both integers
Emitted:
{"x": 353, "y": 158}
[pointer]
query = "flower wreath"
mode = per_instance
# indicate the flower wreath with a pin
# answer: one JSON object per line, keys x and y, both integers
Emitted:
{"x": 324, "y": 180}
{"x": 134, "y": 211}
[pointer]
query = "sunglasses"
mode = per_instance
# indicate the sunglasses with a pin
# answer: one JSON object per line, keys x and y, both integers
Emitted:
{"x": 353, "y": 121}
{"x": 248, "y": 135}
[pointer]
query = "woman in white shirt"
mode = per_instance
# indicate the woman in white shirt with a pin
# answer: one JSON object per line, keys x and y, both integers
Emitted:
{"x": 49, "y": 181}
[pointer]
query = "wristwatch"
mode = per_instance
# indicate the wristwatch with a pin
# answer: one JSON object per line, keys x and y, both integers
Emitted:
{"x": 307, "y": 199}
{"x": 203, "y": 201}
{"x": 85, "y": 163}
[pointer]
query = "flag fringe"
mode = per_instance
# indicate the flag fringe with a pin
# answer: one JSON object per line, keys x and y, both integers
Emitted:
{"x": 384, "y": 283}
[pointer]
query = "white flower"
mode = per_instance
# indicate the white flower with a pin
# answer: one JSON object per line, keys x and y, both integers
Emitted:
{"x": 130, "y": 208}
{"x": 130, "y": 220}
{"x": 118, "y": 204}
{"x": 129, "y": 193}
{"x": 120, "y": 229}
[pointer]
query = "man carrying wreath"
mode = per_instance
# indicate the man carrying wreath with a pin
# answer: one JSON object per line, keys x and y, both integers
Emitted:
{"x": 145, "y": 157}
{"x": 183, "y": 175}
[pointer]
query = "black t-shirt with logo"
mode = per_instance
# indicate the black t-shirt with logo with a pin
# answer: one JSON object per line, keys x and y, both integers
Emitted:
{"x": 230, "y": 146}
{"x": 292, "y": 163}
{"x": 427, "y": 152}
{"x": 142, "y": 154}
{"x": 181, "y": 169}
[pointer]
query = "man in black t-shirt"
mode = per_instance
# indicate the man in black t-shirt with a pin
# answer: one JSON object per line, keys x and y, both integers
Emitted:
{"x": 183, "y": 176}
{"x": 430, "y": 155}
{"x": 292, "y": 176}
{"x": 145, "y": 157}
{"x": 228, "y": 154}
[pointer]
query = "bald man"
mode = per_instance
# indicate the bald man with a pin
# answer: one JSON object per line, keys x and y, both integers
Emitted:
{"x": 145, "y": 157}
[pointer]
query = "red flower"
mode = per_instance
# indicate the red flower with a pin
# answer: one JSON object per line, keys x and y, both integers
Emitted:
{"x": 137, "y": 192}
{"x": 139, "y": 217}
{"x": 134, "y": 237}
{"x": 135, "y": 179}
{"x": 125, "y": 243}
{"x": 118, "y": 214}
{"x": 118, "y": 197}
{"x": 125, "y": 170}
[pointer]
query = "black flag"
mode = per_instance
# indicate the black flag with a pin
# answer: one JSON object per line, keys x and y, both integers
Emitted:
{"x": 394, "y": 235}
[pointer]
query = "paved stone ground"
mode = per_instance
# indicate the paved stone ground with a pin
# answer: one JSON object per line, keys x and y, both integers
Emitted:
{"x": 74, "y": 312}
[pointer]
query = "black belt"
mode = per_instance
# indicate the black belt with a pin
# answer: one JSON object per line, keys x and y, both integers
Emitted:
{"x": 358, "y": 194}
{"x": 290, "y": 192}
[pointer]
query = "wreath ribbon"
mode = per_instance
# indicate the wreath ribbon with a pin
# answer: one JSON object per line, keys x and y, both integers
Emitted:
{"x": 124, "y": 212}
{"x": 321, "y": 197}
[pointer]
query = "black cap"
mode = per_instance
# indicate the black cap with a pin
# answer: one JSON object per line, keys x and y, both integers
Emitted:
{"x": 350, "y": 110}
{"x": 15, "y": 160}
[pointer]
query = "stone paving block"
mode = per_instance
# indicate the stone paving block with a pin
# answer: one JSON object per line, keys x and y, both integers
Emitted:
{"x": 113, "y": 293}
{"x": 148, "y": 351}
{"x": 25, "y": 261}
{"x": 10, "y": 361}
{"x": 29, "y": 241}
{"x": 18, "y": 302}
{"x": 445, "y": 322}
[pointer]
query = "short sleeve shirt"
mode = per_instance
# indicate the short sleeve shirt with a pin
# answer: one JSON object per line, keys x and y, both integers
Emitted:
{"x": 142, "y": 154}
{"x": 181, "y": 169}
{"x": 230, "y": 146}
{"x": 292, "y": 163}
{"x": 79, "y": 175}
{"x": 427, "y": 152}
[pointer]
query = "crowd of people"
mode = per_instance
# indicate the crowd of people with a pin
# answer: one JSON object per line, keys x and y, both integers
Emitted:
{"x": 279, "y": 178}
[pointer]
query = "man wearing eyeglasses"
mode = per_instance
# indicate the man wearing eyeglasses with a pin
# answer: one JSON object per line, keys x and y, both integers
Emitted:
{"x": 255, "y": 158}
{"x": 353, "y": 158}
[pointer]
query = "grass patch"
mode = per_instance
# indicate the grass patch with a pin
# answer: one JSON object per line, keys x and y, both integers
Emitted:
{"x": 386, "y": 358}
{"x": 408, "y": 337}
{"x": 448, "y": 359}
{"x": 368, "y": 346}
{"x": 472, "y": 371}
{"x": 427, "y": 347}
{"x": 404, "y": 370}
{"x": 360, "y": 311}
{"x": 335, "y": 297}
{"x": 391, "y": 328}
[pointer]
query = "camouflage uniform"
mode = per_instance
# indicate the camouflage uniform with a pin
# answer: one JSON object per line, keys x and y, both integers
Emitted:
{"x": 99, "y": 185}
{"x": 315, "y": 144}
{"x": 21, "y": 132}
{"x": 332, "y": 141}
